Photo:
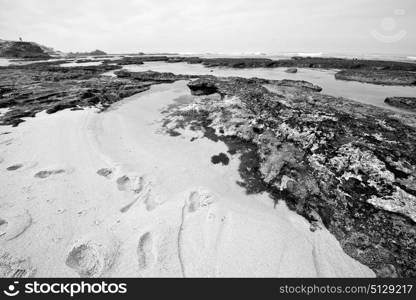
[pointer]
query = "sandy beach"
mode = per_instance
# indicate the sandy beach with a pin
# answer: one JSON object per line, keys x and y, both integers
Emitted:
{"x": 110, "y": 194}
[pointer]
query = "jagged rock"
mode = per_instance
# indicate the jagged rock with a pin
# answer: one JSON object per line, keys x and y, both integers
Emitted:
{"x": 27, "y": 90}
{"x": 202, "y": 86}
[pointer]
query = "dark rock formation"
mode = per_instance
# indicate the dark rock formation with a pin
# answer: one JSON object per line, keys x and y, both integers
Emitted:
{"x": 138, "y": 60}
{"x": 370, "y": 71}
{"x": 206, "y": 85}
{"x": 220, "y": 158}
{"x": 344, "y": 63}
{"x": 202, "y": 86}
{"x": 238, "y": 62}
{"x": 378, "y": 77}
{"x": 402, "y": 102}
{"x": 291, "y": 70}
{"x": 297, "y": 84}
{"x": 27, "y": 90}
{"x": 151, "y": 76}
{"x": 341, "y": 164}
{"x": 22, "y": 50}
{"x": 97, "y": 52}
{"x": 306, "y": 62}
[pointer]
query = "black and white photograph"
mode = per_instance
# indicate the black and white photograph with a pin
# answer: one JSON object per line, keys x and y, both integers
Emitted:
{"x": 207, "y": 139}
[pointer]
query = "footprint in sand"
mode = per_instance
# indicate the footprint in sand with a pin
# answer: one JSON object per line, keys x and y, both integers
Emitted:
{"x": 145, "y": 252}
{"x": 105, "y": 172}
{"x": 14, "y": 167}
{"x": 151, "y": 202}
{"x": 140, "y": 189}
{"x": 93, "y": 256}
{"x": 7, "y": 142}
{"x": 15, "y": 267}
{"x": 198, "y": 199}
{"x": 14, "y": 223}
{"x": 200, "y": 233}
{"x": 132, "y": 183}
{"x": 19, "y": 166}
{"x": 46, "y": 173}
{"x": 122, "y": 182}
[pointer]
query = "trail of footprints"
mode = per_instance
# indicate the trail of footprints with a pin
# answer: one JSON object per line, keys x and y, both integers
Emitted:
{"x": 196, "y": 200}
{"x": 40, "y": 174}
{"x": 14, "y": 222}
{"x": 141, "y": 192}
{"x": 94, "y": 256}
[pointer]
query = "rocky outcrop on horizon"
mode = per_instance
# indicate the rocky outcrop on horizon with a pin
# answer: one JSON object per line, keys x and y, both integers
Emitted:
{"x": 92, "y": 53}
{"x": 24, "y": 50}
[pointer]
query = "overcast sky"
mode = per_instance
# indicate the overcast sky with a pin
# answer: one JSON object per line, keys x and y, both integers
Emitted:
{"x": 227, "y": 26}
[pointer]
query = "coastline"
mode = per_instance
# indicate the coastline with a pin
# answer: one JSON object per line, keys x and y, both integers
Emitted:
{"x": 296, "y": 115}
{"x": 79, "y": 200}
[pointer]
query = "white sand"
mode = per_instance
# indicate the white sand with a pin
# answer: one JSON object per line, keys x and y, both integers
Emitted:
{"x": 163, "y": 210}
{"x": 81, "y": 64}
{"x": 4, "y": 62}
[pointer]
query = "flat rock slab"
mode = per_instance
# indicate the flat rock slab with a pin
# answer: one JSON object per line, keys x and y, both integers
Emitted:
{"x": 402, "y": 102}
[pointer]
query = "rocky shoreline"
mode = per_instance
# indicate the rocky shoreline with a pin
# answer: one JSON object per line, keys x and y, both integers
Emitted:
{"x": 23, "y": 50}
{"x": 368, "y": 71}
{"x": 341, "y": 164}
{"x": 361, "y": 70}
{"x": 27, "y": 90}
